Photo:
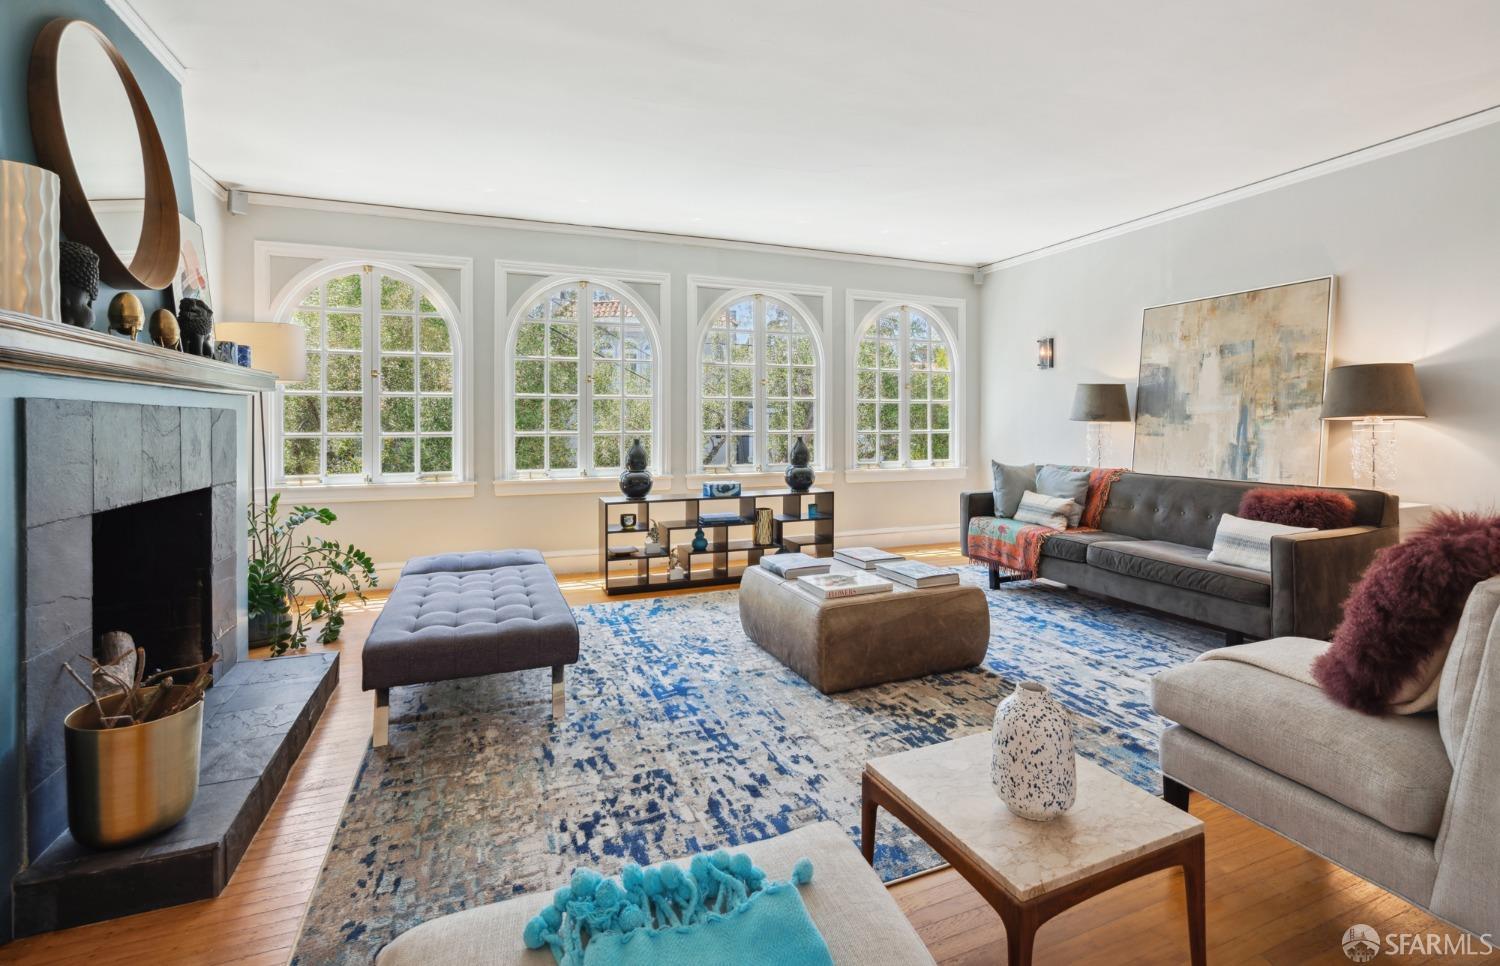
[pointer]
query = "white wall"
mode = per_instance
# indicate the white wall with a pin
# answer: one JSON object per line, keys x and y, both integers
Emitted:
{"x": 1414, "y": 239}
{"x": 565, "y": 525}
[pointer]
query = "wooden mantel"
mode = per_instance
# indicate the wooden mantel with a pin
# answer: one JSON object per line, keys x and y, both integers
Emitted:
{"x": 35, "y": 345}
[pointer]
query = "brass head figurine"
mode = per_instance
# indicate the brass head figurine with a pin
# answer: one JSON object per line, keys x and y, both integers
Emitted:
{"x": 164, "y": 330}
{"x": 126, "y": 315}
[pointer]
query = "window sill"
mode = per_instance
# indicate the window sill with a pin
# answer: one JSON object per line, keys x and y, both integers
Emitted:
{"x": 375, "y": 492}
{"x": 906, "y": 474}
{"x": 567, "y": 485}
{"x": 766, "y": 480}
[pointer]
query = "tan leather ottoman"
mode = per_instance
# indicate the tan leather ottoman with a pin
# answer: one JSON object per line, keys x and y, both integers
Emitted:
{"x": 856, "y": 642}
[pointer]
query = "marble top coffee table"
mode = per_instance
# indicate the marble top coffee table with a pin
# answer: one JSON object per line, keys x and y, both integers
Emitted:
{"x": 1031, "y": 871}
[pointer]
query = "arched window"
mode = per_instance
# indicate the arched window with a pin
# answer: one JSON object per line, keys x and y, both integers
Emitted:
{"x": 584, "y": 361}
{"x": 903, "y": 390}
{"x": 378, "y": 404}
{"x": 760, "y": 377}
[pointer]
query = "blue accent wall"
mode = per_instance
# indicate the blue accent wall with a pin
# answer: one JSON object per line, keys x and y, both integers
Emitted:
{"x": 19, "y": 22}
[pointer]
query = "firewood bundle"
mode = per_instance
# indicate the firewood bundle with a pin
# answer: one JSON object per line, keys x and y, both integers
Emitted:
{"x": 145, "y": 698}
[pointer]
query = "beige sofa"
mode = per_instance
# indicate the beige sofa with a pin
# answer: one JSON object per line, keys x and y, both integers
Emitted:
{"x": 852, "y": 909}
{"x": 1411, "y": 803}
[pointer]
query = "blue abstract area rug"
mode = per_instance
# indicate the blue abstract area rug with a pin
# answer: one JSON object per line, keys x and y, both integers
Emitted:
{"x": 682, "y": 735}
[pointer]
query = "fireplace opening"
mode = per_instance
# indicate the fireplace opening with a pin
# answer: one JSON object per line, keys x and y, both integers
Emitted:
{"x": 153, "y": 577}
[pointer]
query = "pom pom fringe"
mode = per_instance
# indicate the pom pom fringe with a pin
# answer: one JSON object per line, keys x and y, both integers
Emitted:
{"x": 664, "y": 897}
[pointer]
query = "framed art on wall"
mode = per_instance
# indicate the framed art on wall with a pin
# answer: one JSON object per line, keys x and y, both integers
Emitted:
{"x": 1231, "y": 386}
{"x": 192, "y": 267}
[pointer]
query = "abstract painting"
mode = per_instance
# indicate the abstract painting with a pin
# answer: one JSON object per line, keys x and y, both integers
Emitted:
{"x": 1231, "y": 387}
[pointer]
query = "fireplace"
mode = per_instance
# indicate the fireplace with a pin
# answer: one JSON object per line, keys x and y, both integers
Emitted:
{"x": 152, "y": 577}
{"x": 130, "y": 524}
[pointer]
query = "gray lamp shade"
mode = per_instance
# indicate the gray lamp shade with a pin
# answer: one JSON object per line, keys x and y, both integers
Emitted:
{"x": 1386, "y": 389}
{"x": 1100, "y": 402}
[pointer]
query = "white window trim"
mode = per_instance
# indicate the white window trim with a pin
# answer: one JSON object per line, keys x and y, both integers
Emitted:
{"x": 328, "y": 258}
{"x": 550, "y": 275}
{"x": 954, "y": 329}
{"x": 796, "y": 298}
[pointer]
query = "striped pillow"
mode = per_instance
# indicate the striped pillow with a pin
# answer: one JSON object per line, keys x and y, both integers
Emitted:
{"x": 1247, "y": 543}
{"x": 1046, "y": 511}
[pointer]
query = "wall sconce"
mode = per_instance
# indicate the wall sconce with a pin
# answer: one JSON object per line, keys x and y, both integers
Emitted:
{"x": 1044, "y": 355}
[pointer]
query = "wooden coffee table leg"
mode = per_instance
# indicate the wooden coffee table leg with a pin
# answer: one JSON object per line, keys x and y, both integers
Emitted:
{"x": 1196, "y": 890}
{"x": 867, "y": 806}
{"x": 1020, "y": 932}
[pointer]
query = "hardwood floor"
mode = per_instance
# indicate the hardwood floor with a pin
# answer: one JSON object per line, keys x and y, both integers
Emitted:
{"x": 1269, "y": 901}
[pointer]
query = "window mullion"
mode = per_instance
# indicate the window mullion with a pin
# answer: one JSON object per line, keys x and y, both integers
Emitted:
{"x": 586, "y": 381}
{"x": 903, "y": 363}
{"x": 760, "y": 410}
{"x": 370, "y": 355}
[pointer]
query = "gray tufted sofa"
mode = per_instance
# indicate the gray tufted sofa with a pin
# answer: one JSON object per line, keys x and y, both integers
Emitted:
{"x": 462, "y": 615}
{"x": 1152, "y": 549}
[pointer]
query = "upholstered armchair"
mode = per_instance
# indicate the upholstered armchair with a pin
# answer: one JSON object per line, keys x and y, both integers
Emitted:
{"x": 1411, "y": 803}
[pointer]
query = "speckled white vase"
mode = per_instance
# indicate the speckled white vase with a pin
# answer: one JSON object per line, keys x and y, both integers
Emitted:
{"x": 1032, "y": 763}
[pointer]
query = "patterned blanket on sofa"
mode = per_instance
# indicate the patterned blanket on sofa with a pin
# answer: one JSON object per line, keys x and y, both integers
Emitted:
{"x": 1017, "y": 547}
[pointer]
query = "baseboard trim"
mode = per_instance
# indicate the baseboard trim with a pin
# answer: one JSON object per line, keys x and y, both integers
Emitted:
{"x": 587, "y": 560}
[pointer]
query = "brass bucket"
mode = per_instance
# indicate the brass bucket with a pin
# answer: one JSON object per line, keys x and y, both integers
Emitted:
{"x": 127, "y": 784}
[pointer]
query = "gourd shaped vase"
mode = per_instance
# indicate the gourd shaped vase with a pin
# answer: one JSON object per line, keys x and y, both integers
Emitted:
{"x": 799, "y": 475}
{"x": 1032, "y": 762}
{"x": 636, "y": 481}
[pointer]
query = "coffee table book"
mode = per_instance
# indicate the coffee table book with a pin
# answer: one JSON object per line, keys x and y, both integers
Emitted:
{"x": 865, "y": 558}
{"x": 914, "y": 573}
{"x": 794, "y": 565}
{"x": 834, "y": 586}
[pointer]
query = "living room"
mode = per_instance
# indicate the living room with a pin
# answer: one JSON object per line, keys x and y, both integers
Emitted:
{"x": 1027, "y": 463}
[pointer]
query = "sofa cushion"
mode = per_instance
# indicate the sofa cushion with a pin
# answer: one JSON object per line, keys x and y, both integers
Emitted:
{"x": 1392, "y": 769}
{"x": 1074, "y": 546}
{"x": 1181, "y": 566}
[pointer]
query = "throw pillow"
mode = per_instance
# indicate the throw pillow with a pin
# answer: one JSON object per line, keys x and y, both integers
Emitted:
{"x": 1046, "y": 511}
{"x": 1298, "y": 506}
{"x": 1405, "y": 610}
{"x": 1067, "y": 482}
{"x": 1247, "y": 543}
{"x": 1010, "y": 483}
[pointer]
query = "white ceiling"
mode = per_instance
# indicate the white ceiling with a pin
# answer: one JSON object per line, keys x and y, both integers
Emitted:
{"x": 957, "y": 131}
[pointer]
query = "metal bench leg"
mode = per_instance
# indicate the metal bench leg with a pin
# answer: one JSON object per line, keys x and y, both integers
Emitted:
{"x": 559, "y": 694}
{"x": 382, "y": 726}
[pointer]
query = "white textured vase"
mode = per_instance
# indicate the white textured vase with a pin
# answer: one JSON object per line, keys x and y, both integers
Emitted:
{"x": 1032, "y": 754}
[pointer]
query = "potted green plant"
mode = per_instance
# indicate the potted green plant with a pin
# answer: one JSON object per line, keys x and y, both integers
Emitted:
{"x": 286, "y": 566}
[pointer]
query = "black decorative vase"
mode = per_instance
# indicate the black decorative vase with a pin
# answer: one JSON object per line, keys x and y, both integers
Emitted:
{"x": 799, "y": 475}
{"x": 636, "y": 481}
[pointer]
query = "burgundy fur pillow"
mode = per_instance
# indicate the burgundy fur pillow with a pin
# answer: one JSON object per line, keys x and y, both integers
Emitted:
{"x": 1405, "y": 608}
{"x": 1299, "y": 507}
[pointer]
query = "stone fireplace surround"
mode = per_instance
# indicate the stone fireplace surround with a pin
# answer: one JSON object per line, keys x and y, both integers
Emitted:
{"x": 85, "y": 457}
{"x": 82, "y": 458}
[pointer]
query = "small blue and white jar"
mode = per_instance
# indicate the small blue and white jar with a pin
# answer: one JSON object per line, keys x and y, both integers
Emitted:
{"x": 1032, "y": 763}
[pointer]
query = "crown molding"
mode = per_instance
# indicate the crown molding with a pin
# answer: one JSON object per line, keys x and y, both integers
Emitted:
{"x": 153, "y": 41}
{"x": 270, "y": 200}
{"x": 208, "y": 182}
{"x": 1359, "y": 156}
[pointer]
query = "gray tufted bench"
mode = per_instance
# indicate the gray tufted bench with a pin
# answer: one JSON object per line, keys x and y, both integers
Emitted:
{"x": 462, "y": 615}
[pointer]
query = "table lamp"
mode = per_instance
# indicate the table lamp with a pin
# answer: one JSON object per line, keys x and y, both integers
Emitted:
{"x": 279, "y": 348}
{"x": 1372, "y": 396}
{"x": 1098, "y": 403}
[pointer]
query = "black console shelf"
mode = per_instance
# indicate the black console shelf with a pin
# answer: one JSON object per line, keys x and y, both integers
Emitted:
{"x": 670, "y": 522}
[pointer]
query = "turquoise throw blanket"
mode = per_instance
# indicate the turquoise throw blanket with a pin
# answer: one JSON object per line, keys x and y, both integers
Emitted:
{"x": 722, "y": 910}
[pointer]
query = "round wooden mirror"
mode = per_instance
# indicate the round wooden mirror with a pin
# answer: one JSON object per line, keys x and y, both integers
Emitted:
{"x": 92, "y": 126}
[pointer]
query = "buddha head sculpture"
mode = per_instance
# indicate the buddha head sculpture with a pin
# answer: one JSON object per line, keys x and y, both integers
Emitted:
{"x": 196, "y": 322}
{"x": 126, "y": 314}
{"x": 80, "y": 283}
